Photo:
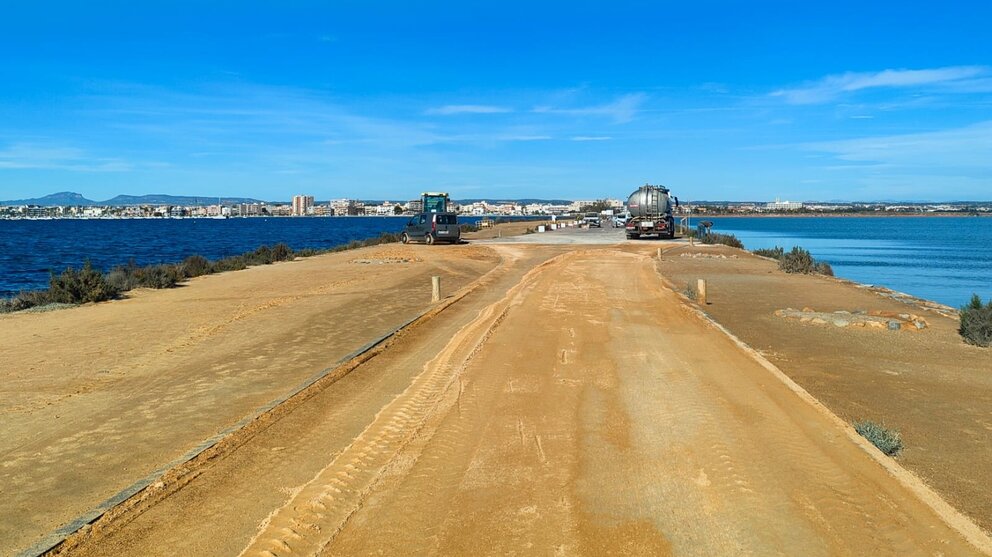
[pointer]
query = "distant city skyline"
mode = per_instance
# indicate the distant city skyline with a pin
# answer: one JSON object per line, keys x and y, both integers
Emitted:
{"x": 721, "y": 101}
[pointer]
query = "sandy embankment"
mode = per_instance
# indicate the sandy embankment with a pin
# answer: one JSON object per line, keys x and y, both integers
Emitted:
{"x": 932, "y": 387}
{"x": 568, "y": 403}
{"x": 96, "y": 397}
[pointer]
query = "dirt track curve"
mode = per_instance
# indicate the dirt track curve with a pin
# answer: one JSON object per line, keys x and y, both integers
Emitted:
{"x": 570, "y": 406}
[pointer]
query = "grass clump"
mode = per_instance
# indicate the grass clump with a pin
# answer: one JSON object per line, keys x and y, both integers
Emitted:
{"x": 468, "y": 227}
{"x": 887, "y": 440}
{"x": 976, "y": 322}
{"x": 725, "y": 239}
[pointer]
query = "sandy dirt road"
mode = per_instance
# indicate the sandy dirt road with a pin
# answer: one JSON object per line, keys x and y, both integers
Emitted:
{"x": 566, "y": 409}
{"x": 588, "y": 414}
{"x": 96, "y": 397}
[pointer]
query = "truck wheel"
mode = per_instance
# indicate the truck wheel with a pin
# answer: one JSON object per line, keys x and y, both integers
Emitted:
{"x": 429, "y": 239}
{"x": 405, "y": 238}
{"x": 633, "y": 236}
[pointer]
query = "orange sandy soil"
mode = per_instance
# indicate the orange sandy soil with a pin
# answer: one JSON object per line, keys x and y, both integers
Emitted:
{"x": 506, "y": 229}
{"x": 568, "y": 404}
{"x": 95, "y": 397}
{"x": 929, "y": 385}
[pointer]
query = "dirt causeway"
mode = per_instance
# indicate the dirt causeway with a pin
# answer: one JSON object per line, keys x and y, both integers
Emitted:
{"x": 564, "y": 399}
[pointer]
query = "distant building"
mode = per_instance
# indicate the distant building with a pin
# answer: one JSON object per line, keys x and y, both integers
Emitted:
{"x": 783, "y": 205}
{"x": 302, "y": 205}
{"x": 343, "y": 207}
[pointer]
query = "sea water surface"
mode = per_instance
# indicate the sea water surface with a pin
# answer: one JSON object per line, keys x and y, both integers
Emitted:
{"x": 944, "y": 259}
{"x": 31, "y": 249}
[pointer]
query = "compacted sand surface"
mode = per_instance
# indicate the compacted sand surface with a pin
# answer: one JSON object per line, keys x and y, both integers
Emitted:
{"x": 929, "y": 385}
{"x": 566, "y": 400}
{"x": 96, "y": 397}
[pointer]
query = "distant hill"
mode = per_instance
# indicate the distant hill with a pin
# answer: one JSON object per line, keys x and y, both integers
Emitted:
{"x": 162, "y": 199}
{"x": 60, "y": 198}
{"x": 72, "y": 198}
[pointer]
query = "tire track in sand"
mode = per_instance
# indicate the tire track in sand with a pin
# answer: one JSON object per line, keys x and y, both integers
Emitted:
{"x": 317, "y": 511}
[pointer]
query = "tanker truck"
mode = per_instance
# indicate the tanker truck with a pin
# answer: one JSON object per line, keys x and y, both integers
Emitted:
{"x": 650, "y": 209}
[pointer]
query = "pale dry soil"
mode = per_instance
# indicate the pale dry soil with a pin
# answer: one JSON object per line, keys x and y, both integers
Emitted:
{"x": 929, "y": 385}
{"x": 563, "y": 408}
{"x": 96, "y": 397}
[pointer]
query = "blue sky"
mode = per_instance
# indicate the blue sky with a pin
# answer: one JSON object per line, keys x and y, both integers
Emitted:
{"x": 718, "y": 100}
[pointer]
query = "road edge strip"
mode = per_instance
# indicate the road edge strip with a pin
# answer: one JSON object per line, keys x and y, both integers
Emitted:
{"x": 951, "y": 516}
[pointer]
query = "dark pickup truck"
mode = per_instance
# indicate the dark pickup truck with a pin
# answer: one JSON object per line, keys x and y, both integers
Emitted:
{"x": 431, "y": 228}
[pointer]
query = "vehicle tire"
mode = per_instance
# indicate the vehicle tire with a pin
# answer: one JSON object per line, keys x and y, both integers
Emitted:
{"x": 429, "y": 239}
{"x": 405, "y": 238}
{"x": 633, "y": 236}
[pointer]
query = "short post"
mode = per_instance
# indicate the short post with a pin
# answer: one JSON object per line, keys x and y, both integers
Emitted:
{"x": 701, "y": 291}
{"x": 659, "y": 254}
{"x": 435, "y": 289}
{"x": 499, "y": 233}
{"x": 691, "y": 242}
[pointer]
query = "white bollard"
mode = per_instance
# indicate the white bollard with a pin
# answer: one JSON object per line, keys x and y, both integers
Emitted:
{"x": 435, "y": 289}
{"x": 701, "y": 291}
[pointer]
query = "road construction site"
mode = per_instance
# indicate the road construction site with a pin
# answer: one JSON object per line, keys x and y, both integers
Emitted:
{"x": 562, "y": 398}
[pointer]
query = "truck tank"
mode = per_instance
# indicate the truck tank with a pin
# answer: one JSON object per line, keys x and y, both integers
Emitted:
{"x": 649, "y": 201}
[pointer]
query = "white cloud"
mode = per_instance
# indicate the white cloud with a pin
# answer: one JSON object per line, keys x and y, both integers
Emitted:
{"x": 450, "y": 109}
{"x": 591, "y": 138}
{"x": 965, "y": 149}
{"x": 833, "y": 86}
{"x": 622, "y": 110}
{"x": 23, "y": 156}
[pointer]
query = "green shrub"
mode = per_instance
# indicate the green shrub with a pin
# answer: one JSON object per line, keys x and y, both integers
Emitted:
{"x": 195, "y": 266}
{"x": 773, "y": 253}
{"x": 824, "y": 268}
{"x": 131, "y": 276}
{"x": 159, "y": 276}
{"x": 725, "y": 239}
{"x": 468, "y": 228}
{"x": 308, "y": 252}
{"x": 887, "y": 440}
{"x": 976, "y": 322}
{"x": 232, "y": 263}
{"x": 282, "y": 252}
{"x": 25, "y": 300}
{"x": 77, "y": 287}
{"x": 797, "y": 261}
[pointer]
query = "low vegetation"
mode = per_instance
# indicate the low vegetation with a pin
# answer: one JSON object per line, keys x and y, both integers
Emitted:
{"x": 725, "y": 239}
{"x": 887, "y": 440}
{"x": 976, "y": 322}
{"x": 797, "y": 261}
{"x": 775, "y": 253}
{"x": 87, "y": 284}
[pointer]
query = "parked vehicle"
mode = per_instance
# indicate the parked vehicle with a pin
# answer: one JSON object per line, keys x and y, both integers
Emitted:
{"x": 592, "y": 220}
{"x": 431, "y": 228}
{"x": 650, "y": 209}
{"x": 620, "y": 220}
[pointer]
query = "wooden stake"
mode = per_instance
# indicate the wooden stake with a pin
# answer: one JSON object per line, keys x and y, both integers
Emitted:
{"x": 659, "y": 254}
{"x": 435, "y": 289}
{"x": 701, "y": 291}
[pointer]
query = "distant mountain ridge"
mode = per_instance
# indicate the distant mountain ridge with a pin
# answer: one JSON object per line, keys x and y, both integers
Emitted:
{"x": 72, "y": 198}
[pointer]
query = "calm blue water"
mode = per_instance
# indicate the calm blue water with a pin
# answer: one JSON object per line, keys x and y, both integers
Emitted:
{"x": 940, "y": 259}
{"x": 30, "y": 248}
